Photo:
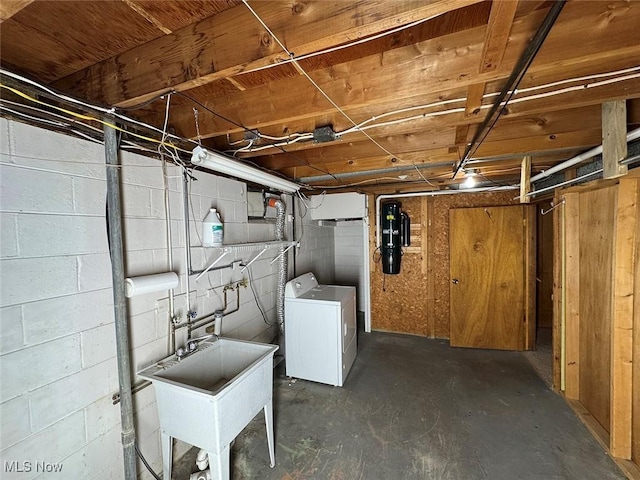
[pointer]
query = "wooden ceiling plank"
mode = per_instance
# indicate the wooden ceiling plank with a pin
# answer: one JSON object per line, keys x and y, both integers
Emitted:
{"x": 442, "y": 68}
{"x": 539, "y": 143}
{"x": 175, "y": 15}
{"x": 549, "y": 115}
{"x": 202, "y": 52}
{"x": 8, "y": 8}
{"x": 67, "y": 36}
{"x": 534, "y": 145}
{"x": 532, "y": 112}
{"x": 371, "y": 167}
{"x": 501, "y": 19}
{"x": 462, "y": 131}
{"x": 139, "y": 9}
{"x": 445, "y": 24}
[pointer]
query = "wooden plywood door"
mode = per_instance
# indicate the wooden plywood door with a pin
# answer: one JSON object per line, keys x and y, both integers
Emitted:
{"x": 487, "y": 267}
{"x": 597, "y": 227}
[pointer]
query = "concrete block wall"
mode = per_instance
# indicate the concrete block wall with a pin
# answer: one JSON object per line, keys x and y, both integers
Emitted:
{"x": 317, "y": 251}
{"x": 57, "y": 349}
{"x": 349, "y": 256}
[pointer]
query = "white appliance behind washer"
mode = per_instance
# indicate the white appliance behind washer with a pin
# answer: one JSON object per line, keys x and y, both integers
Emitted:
{"x": 320, "y": 330}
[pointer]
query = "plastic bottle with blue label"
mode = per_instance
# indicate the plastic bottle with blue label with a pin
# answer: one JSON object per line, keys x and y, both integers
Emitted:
{"x": 212, "y": 229}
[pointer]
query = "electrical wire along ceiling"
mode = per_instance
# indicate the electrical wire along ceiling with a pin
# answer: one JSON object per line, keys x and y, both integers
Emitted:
{"x": 380, "y": 97}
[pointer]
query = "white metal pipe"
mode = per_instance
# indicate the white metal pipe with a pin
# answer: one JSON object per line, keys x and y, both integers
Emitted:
{"x": 631, "y": 136}
{"x": 430, "y": 194}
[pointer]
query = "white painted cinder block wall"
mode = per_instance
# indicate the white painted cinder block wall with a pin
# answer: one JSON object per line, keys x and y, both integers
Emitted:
{"x": 349, "y": 257}
{"x": 317, "y": 251}
{"x": 58, "y": 357}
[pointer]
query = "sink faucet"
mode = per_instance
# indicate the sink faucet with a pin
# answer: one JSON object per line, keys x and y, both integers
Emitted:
{"x": 192, "y": 345}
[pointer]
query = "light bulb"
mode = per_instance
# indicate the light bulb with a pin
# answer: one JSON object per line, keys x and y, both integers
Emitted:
{"x": 469, "y": 182}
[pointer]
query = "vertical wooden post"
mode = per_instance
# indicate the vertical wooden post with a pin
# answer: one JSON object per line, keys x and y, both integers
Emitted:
{"x": 426, "y": 233}
{"x": 614, "y": 138}
{"x": 572, "y": 296}
{"x": 525, "y": 179}
{"x": 622, "y": 321}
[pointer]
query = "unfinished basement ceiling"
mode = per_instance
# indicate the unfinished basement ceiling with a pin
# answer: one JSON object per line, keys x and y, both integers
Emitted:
{"x": 404, "y": 84}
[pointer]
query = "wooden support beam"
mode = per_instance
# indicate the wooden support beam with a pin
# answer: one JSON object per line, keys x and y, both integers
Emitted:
{"x": 475, "y": 92}
{"x": 614, "y": 138}
{"x": 500, "y": 20}
{"x": 525, "y": 179}
{"x": 571, "y": 286}
{"x": 622, "y": 321}
{"x": 462, "y": 131}
{"x": 8, "y": 8}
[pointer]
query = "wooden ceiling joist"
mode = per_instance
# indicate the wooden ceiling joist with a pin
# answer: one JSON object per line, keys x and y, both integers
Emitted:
{"x": 419, "y": 75}
{"x": 502, "y": 15}
{"x": 197, "y": 54}
{"x": 439, "y": 64}
{"x": 8, "y": 8}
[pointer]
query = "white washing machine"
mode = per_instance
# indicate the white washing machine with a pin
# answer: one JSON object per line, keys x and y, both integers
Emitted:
{"x": 320, "y": 330}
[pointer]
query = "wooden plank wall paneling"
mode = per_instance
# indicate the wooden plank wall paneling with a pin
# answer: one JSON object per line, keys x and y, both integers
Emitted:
{"x": 635, "y": 439}
{"x": 411, "y": 303}
{"x": 558, "y": 292}
{"x": 622, "y": 321}
{"x": 572, "y": 294}
{"x": 602, "y": 250}
{"x": 597, "y": 224}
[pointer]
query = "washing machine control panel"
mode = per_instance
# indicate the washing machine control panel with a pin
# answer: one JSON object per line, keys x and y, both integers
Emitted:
{"x": 300, "y": 285}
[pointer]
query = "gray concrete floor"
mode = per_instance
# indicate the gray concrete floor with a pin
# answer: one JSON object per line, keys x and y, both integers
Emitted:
{"x": 414, "y": 408}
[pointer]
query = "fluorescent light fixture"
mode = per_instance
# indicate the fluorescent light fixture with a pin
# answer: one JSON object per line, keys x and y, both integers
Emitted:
{"x": 219, "y": 163}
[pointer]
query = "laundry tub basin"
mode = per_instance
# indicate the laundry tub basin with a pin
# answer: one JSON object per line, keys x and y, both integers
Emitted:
{"x": 208, "y": 397}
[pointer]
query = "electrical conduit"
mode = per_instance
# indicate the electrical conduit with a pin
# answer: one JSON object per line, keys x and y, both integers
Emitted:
{"x": 114, "y": 212}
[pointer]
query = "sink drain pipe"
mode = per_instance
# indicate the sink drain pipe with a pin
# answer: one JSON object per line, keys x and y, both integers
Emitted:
{"x": 114, "y": 218}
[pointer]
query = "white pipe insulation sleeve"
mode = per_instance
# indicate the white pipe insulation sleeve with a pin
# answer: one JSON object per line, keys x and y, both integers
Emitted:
{"x": 631, "y": 136}
{"x": 150, "y": 283}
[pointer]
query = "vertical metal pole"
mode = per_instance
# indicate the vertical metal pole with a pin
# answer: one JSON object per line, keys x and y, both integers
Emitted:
{"x": 187, "y": 251}
{"x": 119, "y": 300}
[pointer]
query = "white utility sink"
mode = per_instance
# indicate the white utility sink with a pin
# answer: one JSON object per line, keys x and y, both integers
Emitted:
{"x": 208, "y": 397}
